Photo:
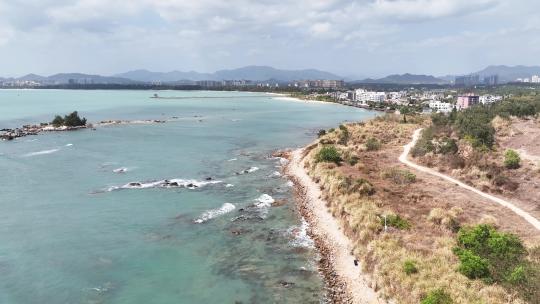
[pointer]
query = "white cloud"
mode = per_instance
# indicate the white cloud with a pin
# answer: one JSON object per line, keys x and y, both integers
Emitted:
{"x": 360, "y": 33}
{"x": 429, "y": 9}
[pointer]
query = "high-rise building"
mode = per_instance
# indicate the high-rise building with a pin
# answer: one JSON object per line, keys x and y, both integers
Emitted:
{"x": 491, "y": 80}
{"x": 468, "y": 80}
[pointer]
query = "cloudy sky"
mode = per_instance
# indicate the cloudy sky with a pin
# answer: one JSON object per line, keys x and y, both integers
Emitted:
{"x": 362, "y": 37}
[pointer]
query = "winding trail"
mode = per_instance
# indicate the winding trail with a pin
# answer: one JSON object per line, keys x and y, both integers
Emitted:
{"x": 404, "y": 159}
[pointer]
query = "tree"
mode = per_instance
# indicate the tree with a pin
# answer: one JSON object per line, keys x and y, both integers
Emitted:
{"x": 58, "y": 121}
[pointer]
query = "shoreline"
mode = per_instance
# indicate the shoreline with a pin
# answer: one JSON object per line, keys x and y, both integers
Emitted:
{"x": 345, "y": 282}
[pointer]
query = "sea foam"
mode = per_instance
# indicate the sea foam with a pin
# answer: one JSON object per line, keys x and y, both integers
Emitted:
{"x": 300, "y": 237}
{"x": 264, "y": 200}
{"x": 41, "y": 152}
{"x": 166, "y": 183}
{"x": 210, "y": 214}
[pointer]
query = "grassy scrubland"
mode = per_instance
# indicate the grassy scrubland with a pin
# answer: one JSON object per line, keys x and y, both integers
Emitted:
{"x": 429, "y": 255}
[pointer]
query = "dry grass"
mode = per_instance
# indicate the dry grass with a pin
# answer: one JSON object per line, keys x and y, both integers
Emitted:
{"x": 429, "y": 243}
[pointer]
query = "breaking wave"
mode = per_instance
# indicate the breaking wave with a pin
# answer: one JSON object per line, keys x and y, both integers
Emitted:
{"x": 210, "y": 214}
{"x": 300, "y": 237}
{"x": 166, "y": 183}
{"x": 41, "y": 152}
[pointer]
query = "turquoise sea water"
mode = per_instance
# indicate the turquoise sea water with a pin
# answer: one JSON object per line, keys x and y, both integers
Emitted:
{"x": 74, "y": 231}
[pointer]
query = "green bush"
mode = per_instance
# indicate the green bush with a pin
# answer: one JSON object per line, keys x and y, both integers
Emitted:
{"x": 409, "y": 267}
{"x": 512, "y": 159}
{"x": 438, "y": 296}
{"x": 472, "y": 266}
{"x": 485, "y": 252}
{"x": 448, "y": 146}
{"x": 517, "y": 275}
{"x": 424, "y": 144}
{"x": 372, "y": 144}
{"x": 328, "y": 154}
{"x": 396, "y": 221}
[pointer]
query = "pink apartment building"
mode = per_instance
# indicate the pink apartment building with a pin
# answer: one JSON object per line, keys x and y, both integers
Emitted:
{"x": 467, "y": 100}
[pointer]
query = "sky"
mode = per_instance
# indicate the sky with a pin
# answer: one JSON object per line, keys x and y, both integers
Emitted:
{"x": 362, "y": 38}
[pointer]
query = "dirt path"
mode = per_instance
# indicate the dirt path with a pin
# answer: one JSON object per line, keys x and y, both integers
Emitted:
{"x": 324, "y": 225}
{"x": 404, "y": 159}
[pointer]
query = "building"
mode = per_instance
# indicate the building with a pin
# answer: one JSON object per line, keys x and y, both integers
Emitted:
{"x": 492, "y": 80}
{"x": 535, "y": 79}
{"x": 441, "y": 107}
{"x": 209, "y": 83}
{"x": 321, "y": 83}
{"x": 467, "y": 100}
{"x": 364, "y": 96}
{"x": 489, "y": 99}
{"x": 468, "y": 80}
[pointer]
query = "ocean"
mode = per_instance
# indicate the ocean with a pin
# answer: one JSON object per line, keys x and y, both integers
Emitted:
{"x": 193, "y": 210}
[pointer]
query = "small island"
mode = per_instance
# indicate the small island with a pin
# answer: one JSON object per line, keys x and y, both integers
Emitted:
{"x": 69, "y": 122}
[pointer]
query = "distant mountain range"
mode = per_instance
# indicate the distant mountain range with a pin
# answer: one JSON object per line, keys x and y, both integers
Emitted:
{"x": 64, "y": 78}
{"x": 254, "y": 73}
{"x": 406, "y": 79}
{"x": 509, "y": 73}
{"x": 265, "y": 73}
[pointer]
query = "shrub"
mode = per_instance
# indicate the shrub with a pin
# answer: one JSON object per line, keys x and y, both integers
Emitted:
{"x": 343, "y": 135}
{"x": 517, "y": 275}
{"x": 409, "y": 267}
{"x": 448, "y": 146}
{"x": 321, "y": 133}
{"x": 328, "y": 154}
{"x": 424, "y": 144}
{"x": 399, "y": 176}
{"x": 372, "y": 144}
{"x": 486, "y": 253}
{"x": 396, "y": 221}
{"x": 511, "y": 159}
{"x": 472, "y": 266}
{"x": 353, "y": 160}
{"x": 438, "y": 296}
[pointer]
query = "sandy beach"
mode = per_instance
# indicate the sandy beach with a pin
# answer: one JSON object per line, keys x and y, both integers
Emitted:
{"x": 346, "y": 282}
{"x": 286, "y": 97}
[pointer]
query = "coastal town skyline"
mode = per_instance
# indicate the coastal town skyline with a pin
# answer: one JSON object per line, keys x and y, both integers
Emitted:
{"x": 354, "y": 39}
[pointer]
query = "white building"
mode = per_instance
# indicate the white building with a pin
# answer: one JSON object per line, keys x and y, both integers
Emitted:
{"x": 441, "y": 107}
{"x": 489, "y": 99}
{"x": 364, "y": 96}
{"x": 535, "y": 79}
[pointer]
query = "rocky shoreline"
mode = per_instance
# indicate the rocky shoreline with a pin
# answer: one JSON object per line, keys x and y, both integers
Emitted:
{"x": 28, "y": 130}
{"x": 345, "y": 282}
{"x": 336, "y": 288}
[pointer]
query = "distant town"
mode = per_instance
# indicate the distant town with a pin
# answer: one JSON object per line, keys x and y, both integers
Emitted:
{"x": 423, "y": 93}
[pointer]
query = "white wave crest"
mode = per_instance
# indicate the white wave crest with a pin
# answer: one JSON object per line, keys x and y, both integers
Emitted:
{"x": 300, "y": 238}
{"x": 210, "y": 214}
{"x": 41, "y": 152}
{"x": 264, "y": 200}
{"x": 121, "y": 170}
{"x": 166, "y": 183}
{"x": 276, "y": 174}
